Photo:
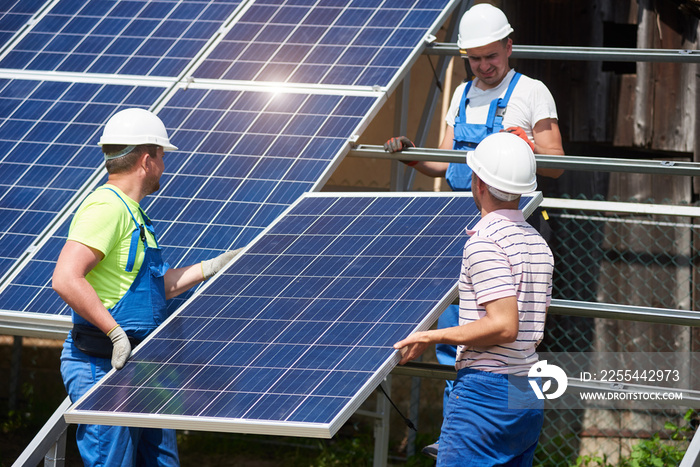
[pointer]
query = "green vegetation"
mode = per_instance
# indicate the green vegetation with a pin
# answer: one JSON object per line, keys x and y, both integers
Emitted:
{"x": 654, "y": 452}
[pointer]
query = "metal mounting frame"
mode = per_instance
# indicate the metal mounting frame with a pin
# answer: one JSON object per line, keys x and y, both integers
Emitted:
{"x": 568, "y": 162}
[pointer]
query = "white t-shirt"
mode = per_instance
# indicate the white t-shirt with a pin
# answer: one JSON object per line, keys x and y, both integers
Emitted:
{"x": 530, "y": 102}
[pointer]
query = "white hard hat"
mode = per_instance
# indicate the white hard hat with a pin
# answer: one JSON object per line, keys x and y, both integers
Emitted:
{"x": 482, "y": 24}
{"x": 131, "y": 127}
{"x": 505, "y": 162}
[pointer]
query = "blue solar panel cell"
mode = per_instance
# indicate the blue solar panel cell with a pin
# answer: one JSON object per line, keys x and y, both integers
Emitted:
{"x": 176, "y": 352}
{"x": 231, "y": 407}
{"x": 300, "y": 318}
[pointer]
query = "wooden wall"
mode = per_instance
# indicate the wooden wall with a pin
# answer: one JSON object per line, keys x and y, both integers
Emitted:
{"x": 652, "y": 107}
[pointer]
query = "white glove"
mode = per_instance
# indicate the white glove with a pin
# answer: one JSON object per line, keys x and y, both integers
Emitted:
{"x": 214, "y": 265}
{"x": 121, "y": 347}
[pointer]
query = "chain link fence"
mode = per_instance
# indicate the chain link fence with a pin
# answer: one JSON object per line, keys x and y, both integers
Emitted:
{"x": 626, "y": 259}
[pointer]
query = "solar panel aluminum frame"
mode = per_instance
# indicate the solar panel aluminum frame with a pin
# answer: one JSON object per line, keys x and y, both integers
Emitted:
{"x": 91, "y": 78}
{"x": 277, "y": 428}
{"x": 19, "y": 323}
{"x": 279, "y": 87}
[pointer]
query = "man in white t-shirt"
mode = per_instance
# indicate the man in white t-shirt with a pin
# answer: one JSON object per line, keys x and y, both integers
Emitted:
{"x": 493, "y": 415}
{"x": 498, "y": 99}
{"x": 528, "y": 110}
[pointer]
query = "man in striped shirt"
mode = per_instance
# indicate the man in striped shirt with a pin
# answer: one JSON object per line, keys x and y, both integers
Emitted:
{"x": 493, "y": 416}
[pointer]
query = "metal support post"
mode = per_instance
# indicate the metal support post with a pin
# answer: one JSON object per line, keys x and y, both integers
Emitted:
{"x": 413, "y": 415}
{"x": 692, "y": 454}
{"x": 49, "y": 444}
{"x": 398, "y": 169}
{"x": 15, "y": 365}
{"x": 56, "y": 457}
{"x": 382, "y": 426}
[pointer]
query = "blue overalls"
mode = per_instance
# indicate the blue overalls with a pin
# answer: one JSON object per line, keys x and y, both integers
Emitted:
{"x": 138, "y": 312}
{"x": 468, "y": 135}
{"x": 459, "y": 177}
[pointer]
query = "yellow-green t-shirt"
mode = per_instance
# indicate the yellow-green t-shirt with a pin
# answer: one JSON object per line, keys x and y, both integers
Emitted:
{"x": 102, "y": 222}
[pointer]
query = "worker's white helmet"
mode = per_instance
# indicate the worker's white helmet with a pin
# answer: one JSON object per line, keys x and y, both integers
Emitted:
{"x": 505, "y": 162}
{"x": 131, "y": 127}
{"x": 482, "y": 24}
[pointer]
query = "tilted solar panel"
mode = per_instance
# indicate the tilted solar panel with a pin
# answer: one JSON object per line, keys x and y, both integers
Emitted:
{"x": 356, "y": 42}
{"x": 243, "y": 158}
{"x": 156, "y": 38}
{"x": 294, "y": 335}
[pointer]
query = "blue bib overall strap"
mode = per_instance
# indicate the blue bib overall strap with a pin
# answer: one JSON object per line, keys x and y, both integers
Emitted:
{"x": 139, "y": 232}
{"x": 143, "y": 306}
{"x": 468, "y": 135}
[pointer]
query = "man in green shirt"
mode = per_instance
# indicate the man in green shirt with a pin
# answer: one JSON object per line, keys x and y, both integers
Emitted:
{"x": 112, "y": 275}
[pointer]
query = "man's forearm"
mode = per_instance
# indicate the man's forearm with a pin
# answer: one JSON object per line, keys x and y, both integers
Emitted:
{"x": 82, "y": 298}
{"x": 500, "y": 325}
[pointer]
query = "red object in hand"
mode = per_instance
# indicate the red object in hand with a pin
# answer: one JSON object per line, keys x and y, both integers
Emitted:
{"x": 517, "y": 131}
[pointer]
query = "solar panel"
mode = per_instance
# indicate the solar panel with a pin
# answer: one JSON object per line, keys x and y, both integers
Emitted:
{"x": 297, "y": 332}
{"x": 243, "y": 158}
{"x": 158, "y": 38}
{"x": 356, "y": 43}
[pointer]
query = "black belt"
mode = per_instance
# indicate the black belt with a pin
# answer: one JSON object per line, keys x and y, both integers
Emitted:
{"x": 95, "y": 343}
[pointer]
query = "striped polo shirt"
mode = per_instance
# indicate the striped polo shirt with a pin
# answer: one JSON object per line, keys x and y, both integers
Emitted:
{"x": 505, "y": 257}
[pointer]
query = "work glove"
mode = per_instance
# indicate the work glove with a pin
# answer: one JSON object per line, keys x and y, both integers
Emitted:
{"x": 517, "y": 131}
{"x": 398, "y": 143}
{"x": 214, "y": 265}
{"x": 121, "y": 347}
